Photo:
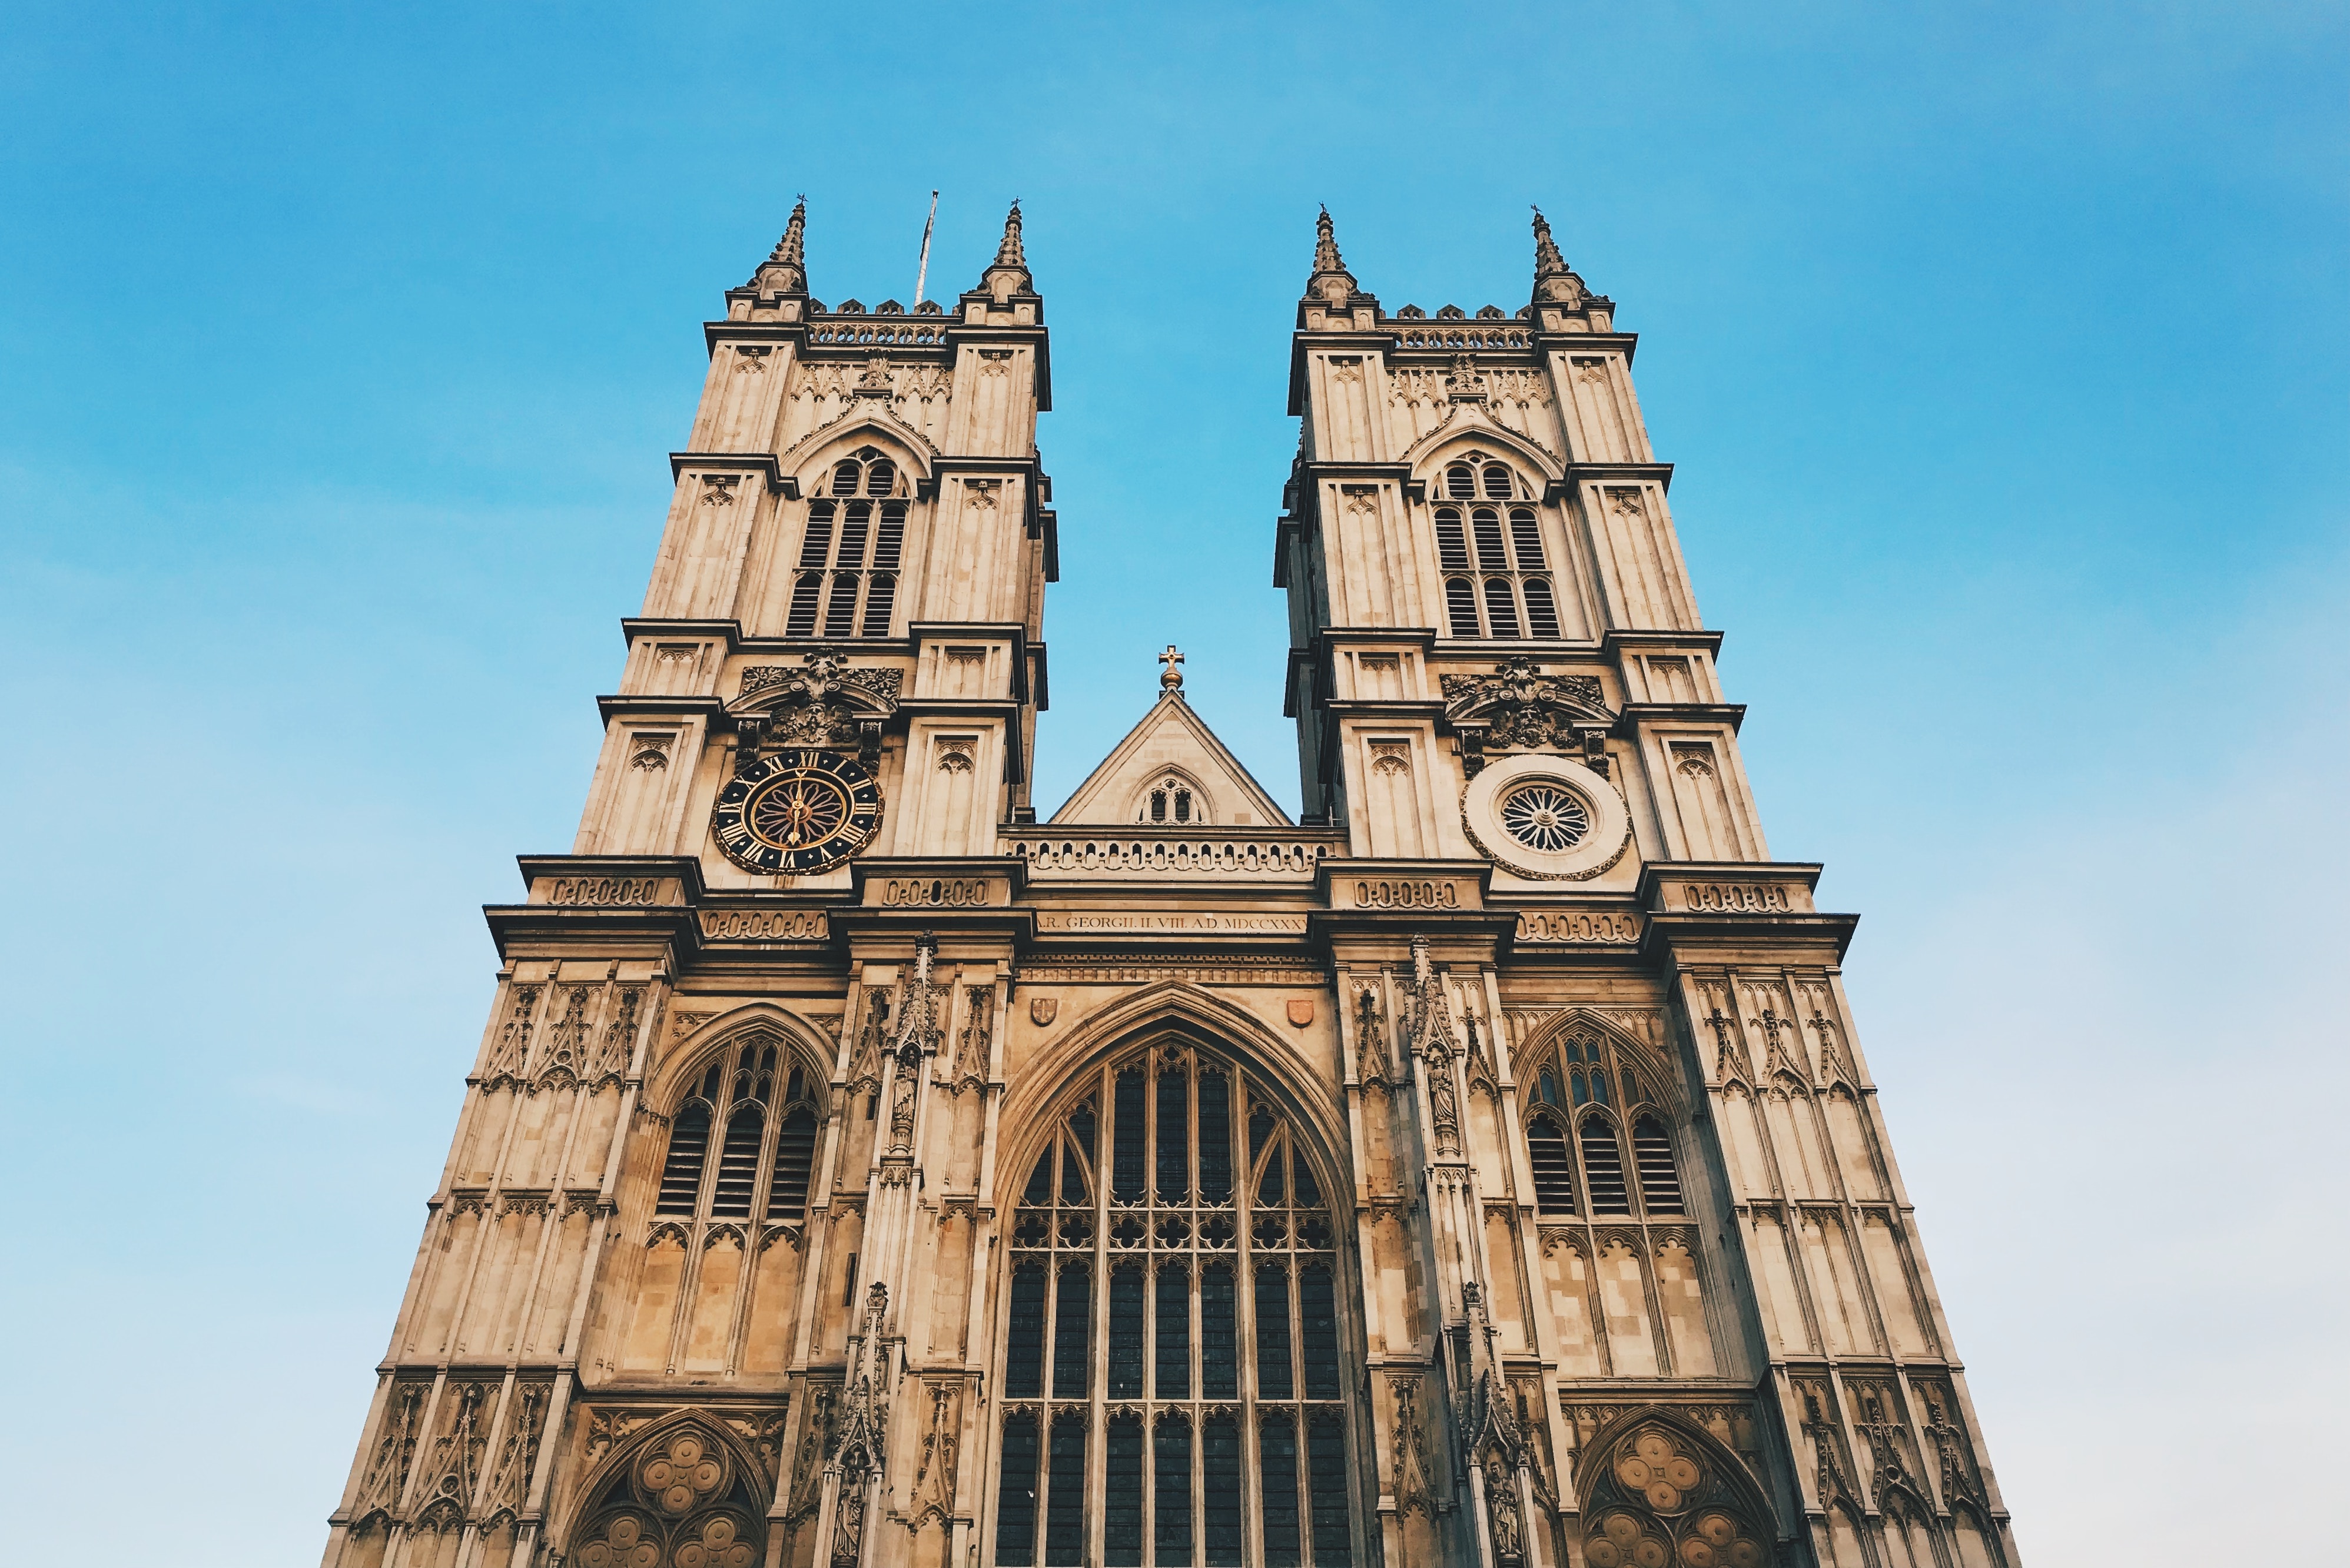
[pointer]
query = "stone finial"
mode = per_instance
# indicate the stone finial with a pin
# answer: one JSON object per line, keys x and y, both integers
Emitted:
{"x": 1170, "y": 678}
{"x": 1548, "y": 260}
{"x": 1554, "y": 281}
{"x": 785, "y": 269}
{"x": 1326, "y": 246}
{"x": 1010, "y": 252}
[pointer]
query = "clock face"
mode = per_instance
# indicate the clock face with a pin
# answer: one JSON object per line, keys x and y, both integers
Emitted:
{"x": 796, "y": 812}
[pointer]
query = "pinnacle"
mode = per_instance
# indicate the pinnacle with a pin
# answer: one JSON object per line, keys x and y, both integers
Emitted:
{"x": 792, "y": 247}
{"x": 1010, "y": 252}
{"x": 1548, "y": 261}
{"x": 1326, "y": 246}
{"x": 785, "y": 269}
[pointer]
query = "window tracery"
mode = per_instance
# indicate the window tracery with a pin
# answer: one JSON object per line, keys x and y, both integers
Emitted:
{"x": 1588, "y": 1101}
{"x": 850, "y": 555}
{"x": 1173, "y": 1366}
{"x": 764, "y": 1142}
{"x": 1488, "y": 546}
{"x": 683, "y": 1500}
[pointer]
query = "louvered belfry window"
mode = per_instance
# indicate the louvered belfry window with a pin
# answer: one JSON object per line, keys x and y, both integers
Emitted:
{"x": 737, "y": 1148}
{"x": 846, "y": 581}
{"x": 1174, "y": 1373}
{"x": 1488, "y": 546}
{"x": 1588, "y": 1102}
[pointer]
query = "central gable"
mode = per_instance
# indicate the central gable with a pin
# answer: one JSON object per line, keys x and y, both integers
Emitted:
{"x": 1171, "y": 771}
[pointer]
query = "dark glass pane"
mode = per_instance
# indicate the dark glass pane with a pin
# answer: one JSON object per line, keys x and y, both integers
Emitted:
{"x": 1220, "y": 1466}
{"x": 1073, "y": 1170}
{"x": 1215, "y": 1138}
{"x": 1500, "y": 609}
{"x": 1174, "y": 1138}
{"x": 1317, "y": 1331}
{"x": 890, "y": 539}
{"x": 1261, "y": 1125}
{"x": 1525, "y": 538}
{"x": 1015, "y": 1496}
{"x": 856, "y": 522}
{"x": 1460, "y": 483}
{"x": 1023, "y": 1357}
{"x": 1219, "y": 1335}
{"x": 1550, "y": 1087}
{"x": 844, "y": 478}
{"x": 1603, "y": 1168}
{"x": 1652, "y": 1152}
{"x": 688, "y": 1146}
{"x": 1082, "y": 1124}
{"x": 1452, "y": 540}
{"x": 1126, "y": 1294}
{"x": 1460, "y": 605}
{"x": 1497, "y": 484}
{"x": 1599, "y": 1085}
{"x": 1129, "y": 1158}
{"x": 800, "y": 621}
{"x": 1542, "y": 611}
{"x": 1064, "y": 1494}
{"x": 880, "y": 600}
{"x": 1040, "y": 1180}
{"x": 1174, "y": 1357}
{"x": 1485, "y": 523}
{"x": 881, "y": 478}
{"x": 1170, "y": 1465}
{"x": 1302, "y": 1189}
{"x": 1122, "y": 1519}
{"x": 816, "y": 547}
{"x": 1275, "y": 1379}
{"x": 1277, "y": 1471}
{"x": 840, "y": 609}
{"x": 1553, "y": 1167}
{"x": 795, "y": 1160}
{"x": 1073, "y": 1331}
{"x": 1269, "y": 1190}
{"x": 1326, "y": 1462}
{"x": 738, "y": 1165}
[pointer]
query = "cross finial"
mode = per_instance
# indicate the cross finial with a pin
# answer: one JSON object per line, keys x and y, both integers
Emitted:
{"x": 1170, "y": 678}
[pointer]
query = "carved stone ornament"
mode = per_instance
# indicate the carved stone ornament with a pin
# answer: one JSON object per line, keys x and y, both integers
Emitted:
{"x": 1043, "y": 1009}
{"x": 822, "y": 703}
{"x": 1301, "y": 1011}
{"x": 1519, "y": 708}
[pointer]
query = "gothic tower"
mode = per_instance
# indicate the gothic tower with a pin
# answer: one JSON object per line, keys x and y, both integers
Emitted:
{"x": 855, "y": 1172}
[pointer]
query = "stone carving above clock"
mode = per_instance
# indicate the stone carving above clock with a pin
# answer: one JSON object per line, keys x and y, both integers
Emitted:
{"x": 822, "y": 702}
{"x": 1519, "y": 708}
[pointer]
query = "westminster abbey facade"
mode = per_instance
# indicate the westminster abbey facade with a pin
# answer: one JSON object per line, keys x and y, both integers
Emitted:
{"x": 857, "y": 1171}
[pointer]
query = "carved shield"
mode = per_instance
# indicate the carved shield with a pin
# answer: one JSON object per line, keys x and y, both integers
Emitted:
{"x": 1301, "y": 1011}
{"x": 1043, "y": 1009}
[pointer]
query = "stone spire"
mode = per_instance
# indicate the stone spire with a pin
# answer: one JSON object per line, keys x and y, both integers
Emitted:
{"x": 1008, "y": 273}
{"x": 1331, "y": 284}
{"x": 1326, "y": 246}
{"x": 785, "y": 269}
{"x": 1555, "y": 282}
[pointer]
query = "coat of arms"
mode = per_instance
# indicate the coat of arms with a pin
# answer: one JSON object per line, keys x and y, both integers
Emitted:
{"x": 1301, "y": 1011}
{"x": 1043, "y": 1009}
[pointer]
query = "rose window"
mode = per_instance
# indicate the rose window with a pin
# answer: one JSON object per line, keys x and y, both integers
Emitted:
{"x": 1545, "y": 815}
{"x": 684, "y": 1502}
{"x": 1665, "y": 1503}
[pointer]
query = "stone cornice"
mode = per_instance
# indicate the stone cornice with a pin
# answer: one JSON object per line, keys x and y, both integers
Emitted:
{"x": 1659, "y": 474}
{"x": 1636, "y": 714}
{"x": 764, "y": 464}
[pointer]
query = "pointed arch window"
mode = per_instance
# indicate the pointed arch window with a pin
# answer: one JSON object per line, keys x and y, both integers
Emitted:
{"x": 845, "y": 583}
{"x": 1173, "y": 1337}
{"x": 1488, "y": 546}
{"x": 1588, "y": 1100}
{"x": 764, "y": 1144}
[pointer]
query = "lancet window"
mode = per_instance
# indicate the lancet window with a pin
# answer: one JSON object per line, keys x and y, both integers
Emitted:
{"x": 741, "y": 1146}
{"x": 1489, "y": 544}
{"x": 1173, "y": 1352}
{"x": 846, "y": 582}
{"x": 1597, "y": 1135}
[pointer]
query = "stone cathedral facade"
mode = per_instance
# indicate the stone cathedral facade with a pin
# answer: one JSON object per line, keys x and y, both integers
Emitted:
{"x": 1481, "y": 1169}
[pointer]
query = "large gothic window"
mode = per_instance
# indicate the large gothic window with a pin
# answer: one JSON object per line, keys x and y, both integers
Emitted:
{"x": 736, "y": 1150}
{"x": 1173, "y": 1372}
{"x": 1488, "y": 546}
{"x": 850, "y": 555}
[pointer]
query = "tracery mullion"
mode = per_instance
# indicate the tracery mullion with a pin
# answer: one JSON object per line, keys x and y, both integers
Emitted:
{"x": 1104, "y": 1153}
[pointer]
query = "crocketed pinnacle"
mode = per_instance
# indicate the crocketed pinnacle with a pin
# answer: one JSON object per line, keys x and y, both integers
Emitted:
{"x": 1326, "y": 246}
{"x": 1010, "y": 253}
{"x": 1548, "y": 261}
{"x": 785, "y": 269}
{"x": 792, "y": 249}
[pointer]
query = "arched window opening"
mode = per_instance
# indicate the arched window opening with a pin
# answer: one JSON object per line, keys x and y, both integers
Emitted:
{"x": 1602, "y": 1166}
{"x": 1159, "y": 806}
{"x": 1182, "y": 806}
{"x": 736, "y": 1094}
{"x": 1504, "y": 545}
{"x": 860, "y": 517}
{"x": 1500, "y": 609}
{"x": 1554, "y": 1166}
{"x": 1652, "y": 1154}
{"x": 683, "y": 1497}
{"x": 1221, "y": 1418}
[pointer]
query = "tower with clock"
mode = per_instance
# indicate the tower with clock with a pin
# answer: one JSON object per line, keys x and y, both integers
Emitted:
{"x": 1480, "y": 1167}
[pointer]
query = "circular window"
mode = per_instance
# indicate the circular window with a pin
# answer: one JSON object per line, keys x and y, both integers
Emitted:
{"x": 1545, "y": 815}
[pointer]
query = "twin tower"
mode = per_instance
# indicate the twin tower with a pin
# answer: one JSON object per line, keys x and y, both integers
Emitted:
{"x": 1481, "y": 1169}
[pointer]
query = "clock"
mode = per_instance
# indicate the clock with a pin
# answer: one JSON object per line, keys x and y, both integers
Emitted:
{"x": 796, "y": 812}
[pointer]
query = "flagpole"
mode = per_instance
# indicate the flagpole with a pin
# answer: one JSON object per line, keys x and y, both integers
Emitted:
{"x": 922, "y": 277}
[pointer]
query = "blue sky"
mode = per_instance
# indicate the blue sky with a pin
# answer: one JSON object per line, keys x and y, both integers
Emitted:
{"x": 2002, "y": 351}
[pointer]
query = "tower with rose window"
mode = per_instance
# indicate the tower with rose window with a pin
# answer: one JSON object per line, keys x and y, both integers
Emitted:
{"x": 1480, "y": 1168}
